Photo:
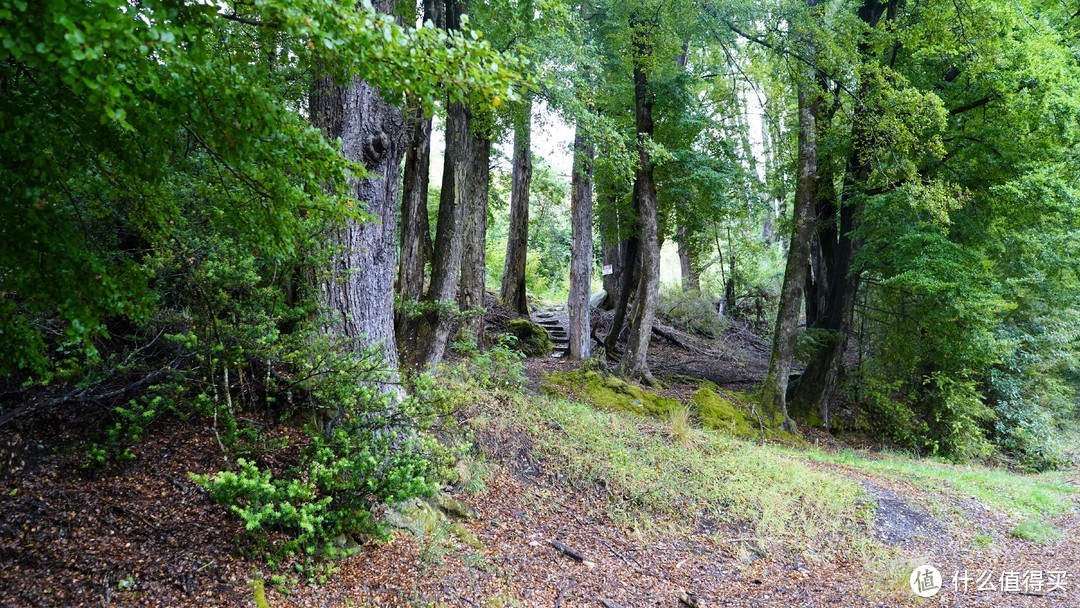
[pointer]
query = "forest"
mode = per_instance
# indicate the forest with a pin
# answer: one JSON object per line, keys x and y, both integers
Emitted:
{"x": 539, "y": 303}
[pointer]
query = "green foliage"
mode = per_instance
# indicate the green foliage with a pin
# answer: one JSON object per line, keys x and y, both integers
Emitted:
{"x": 367, "y": 456}
{"x": 133, "y": 421}
{"x": 130, "y": 128}
{"x": 499, "y": 366}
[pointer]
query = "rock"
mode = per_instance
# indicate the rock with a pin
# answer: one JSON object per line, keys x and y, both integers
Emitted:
{"x": 532, "y": 339}
{"x": 452, "y": 506}
{"x": 597, "y": 298}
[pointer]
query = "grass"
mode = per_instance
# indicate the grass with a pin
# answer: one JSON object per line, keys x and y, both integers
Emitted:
{"x": 657, "y": 479}
{"x": 1035, "y": 531}
{"x": 1030, "y": 498}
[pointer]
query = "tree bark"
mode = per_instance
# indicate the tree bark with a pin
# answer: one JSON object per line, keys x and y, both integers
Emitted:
{"x": 633, "y": 363}
{"x": 474, "y": 258}
{"x": 612, "y": 255}
{"x": 581, "y": 248}
{"x": 358, "y": 288}
{"x": 416, "y": 248}
{"x": 512, "y": 294}
{"x": 690, "y": 279}
{"x": 773, "y": 400}
{"x": 415, "y": 234}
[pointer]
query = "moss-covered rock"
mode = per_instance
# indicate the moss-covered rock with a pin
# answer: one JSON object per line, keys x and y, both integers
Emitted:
{"x": 532, "y": 339}
{"x": 611, "y": 392}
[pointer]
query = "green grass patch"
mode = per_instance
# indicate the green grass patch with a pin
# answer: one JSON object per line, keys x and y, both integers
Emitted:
{"x": 656, "y": 479}
{"x": 1035, "y": 531}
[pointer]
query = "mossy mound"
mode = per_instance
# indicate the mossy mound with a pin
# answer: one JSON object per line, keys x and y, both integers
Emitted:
{"x": 722, "y": 414}
{"x": 532, "y": 339}
{"x": 611, "y": 392}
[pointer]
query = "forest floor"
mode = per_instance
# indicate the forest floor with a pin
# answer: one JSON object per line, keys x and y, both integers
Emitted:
{"x": 658, "y": 515}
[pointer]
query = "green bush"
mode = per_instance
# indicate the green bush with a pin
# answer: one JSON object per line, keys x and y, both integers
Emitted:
{"x": 372, "y": 449}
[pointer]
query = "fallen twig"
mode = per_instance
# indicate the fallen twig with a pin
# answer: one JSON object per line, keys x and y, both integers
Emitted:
{"x": 572, "y": 553}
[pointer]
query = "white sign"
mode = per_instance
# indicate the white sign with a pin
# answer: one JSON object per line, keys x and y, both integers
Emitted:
{"x": 608, "y": 270}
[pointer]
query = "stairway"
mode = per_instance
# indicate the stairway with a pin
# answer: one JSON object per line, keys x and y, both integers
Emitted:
{"x": 559, "y": 338}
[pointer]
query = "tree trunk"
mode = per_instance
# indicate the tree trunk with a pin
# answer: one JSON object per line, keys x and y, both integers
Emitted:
{"x": 612, "y": 256}
{"x": 581, "y": 248}
{"x": 634, "y": 363}
{"x": 773, "y": 400}
{"x": 512, "y": 294}
{"x": 415, "y": 234}
{"x": 358, "y": 288}
{"x": 416, "y": 249}
{"x": 473, "y": 263}
{"x": 428, "y": 331}
{"x": 690, "y": 279}
{"x": 839, "y": 289}
{"x": 628, "y": 275}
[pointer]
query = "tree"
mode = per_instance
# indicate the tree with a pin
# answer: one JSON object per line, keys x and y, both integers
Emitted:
{"x": 474, "y": 266}
{"x": 785, "y": 335}
{"x": 581, "y": 255}
{"x": 512, "y": 293}
{"x": 416, "y": 246}
{"x": 633, "y": 362}
{"x": 358, "y": 287}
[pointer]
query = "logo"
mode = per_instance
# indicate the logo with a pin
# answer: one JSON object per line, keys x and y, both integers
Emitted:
{"x": 925, "y": 581}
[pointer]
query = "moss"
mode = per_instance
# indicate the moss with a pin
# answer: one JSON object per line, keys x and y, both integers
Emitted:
{"x": 532, "y": 339}
{"x": 611, "y": 392}
{"x": 719, "y": 413}
{"x": 723, "y": 415}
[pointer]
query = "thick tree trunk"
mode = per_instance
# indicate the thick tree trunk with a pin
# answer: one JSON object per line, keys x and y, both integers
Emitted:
{"x": 581, "y": 249}
{"x": 633, "y": 363}
{"x": 358, "y": 288}
{"x": 773, "y": 400}
{"x": 690, "y": 279}
{"x": 474, "y": 258}
{"x": 512, "y": 294}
